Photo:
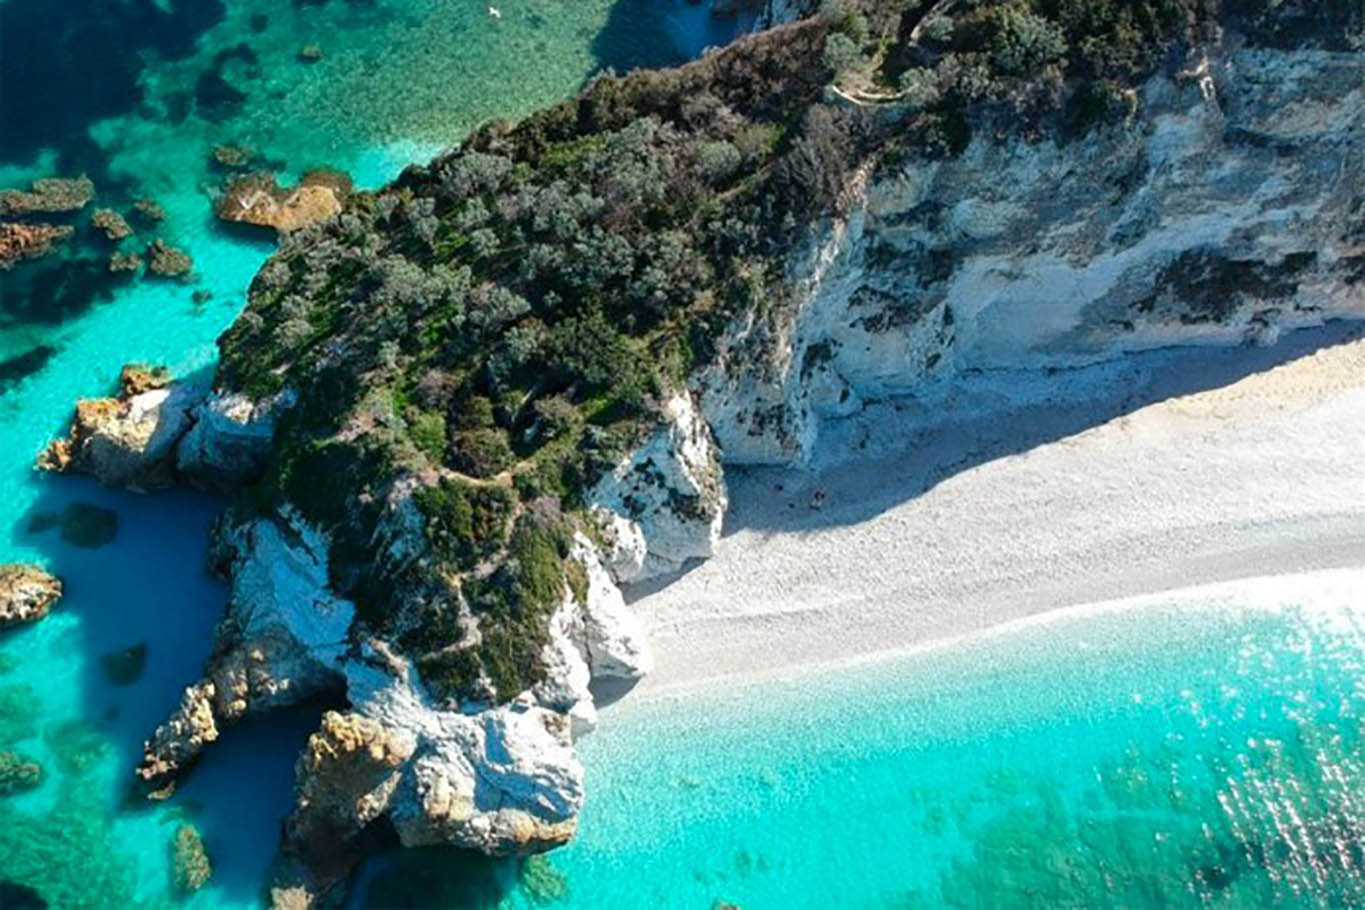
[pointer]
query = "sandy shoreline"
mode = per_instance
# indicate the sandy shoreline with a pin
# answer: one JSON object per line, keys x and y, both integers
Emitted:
{"x": 1163, "y": 471}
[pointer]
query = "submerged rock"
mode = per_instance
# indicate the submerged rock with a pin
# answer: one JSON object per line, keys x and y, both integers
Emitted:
{"x": 88, "y": 526}
{"x": 27, "y": 593}
{"x": 309, "y": 53}
{"x": 259, "y": 199}
{"x": 15, "y": 896}
{"x": 148, "y": 211}
{"x": 124, "y": 667}
{"x": 541, "y": 881}
{"x": 168, "y": 261}
{"x": 20, "y": 241}
{"x": 18, "y": 773}
{"x": 125, "y": 263}
{"x": 51, "y": 194}
{"x": 112, "y": 224}
{"x": 232, "y": 157}
{"x": 190, "y": 864}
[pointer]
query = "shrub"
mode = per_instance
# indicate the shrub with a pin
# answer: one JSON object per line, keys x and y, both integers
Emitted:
{"x": 428, "y": 432}
{"x": 465, "y": 522}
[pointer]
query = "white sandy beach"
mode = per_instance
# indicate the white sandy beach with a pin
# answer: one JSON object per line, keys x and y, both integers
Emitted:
{"x": 1160, "y": 471}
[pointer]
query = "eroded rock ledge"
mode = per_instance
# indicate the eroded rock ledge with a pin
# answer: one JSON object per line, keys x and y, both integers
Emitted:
{"x": 464, "y": 411}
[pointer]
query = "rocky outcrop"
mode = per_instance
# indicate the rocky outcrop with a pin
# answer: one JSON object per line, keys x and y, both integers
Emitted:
{"x": 20, "y": 241}
{"x": 1173, "y": 228}
{"x": 51, "y": 194}
{"x": 346, "y": 778}
{"x": 26, "y": 594}
{"x": 279, "y": 644}
{"x": 259, "y": 199}
{"x": 156, "y": 432}
{"x": 501, "y": 779}
{"x": 612, "y": 638}
{"x": 126, "y": 441}
{"x": 668, "y": 495}
{"x": 230, "y": 440}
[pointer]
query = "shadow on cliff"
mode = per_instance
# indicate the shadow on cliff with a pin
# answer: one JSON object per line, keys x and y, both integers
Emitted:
{"x": 419, "y": 878}
{"x": 856, "y": 488}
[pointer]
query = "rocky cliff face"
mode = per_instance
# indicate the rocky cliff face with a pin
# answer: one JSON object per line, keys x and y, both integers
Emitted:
{"x": 1229, "y": 207}
{"x": 444, "y": 498}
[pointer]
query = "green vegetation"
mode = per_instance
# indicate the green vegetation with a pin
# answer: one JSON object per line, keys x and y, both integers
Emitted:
{"x": 500, "y": 326}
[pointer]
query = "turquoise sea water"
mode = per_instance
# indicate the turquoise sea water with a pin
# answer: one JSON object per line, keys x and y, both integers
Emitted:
{"x": 1153, "y": 757}
{"x": 1185, "y": 752}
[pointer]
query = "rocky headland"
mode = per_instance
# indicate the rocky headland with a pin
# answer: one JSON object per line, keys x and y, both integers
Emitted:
{"x": 461, "y": 413}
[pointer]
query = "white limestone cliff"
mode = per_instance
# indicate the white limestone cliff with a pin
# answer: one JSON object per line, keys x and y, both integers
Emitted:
{"x": 668, "y": 495}
{"x": 1229, "y": 208}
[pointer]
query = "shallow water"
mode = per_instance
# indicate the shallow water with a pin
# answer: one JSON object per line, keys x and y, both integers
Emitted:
{"x": 1184, "y": 752}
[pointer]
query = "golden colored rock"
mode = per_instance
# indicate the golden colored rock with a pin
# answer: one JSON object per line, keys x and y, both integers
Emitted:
{"x": 259, "y": 199}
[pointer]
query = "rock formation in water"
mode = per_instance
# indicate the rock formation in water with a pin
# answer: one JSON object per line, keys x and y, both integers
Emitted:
{"x": 26, "y": 594}
{"x": 167, "y": 261}
{"x": 20, "y": 241}
{"x": 467, "y": 408}
{"x": 51, "y": 194}
{"x": 259, "y": 199}
{"x": 112, "y": 224}
{"x": 190, "y": 864}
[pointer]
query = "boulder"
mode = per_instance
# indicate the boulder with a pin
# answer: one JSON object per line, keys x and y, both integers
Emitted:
{"x": 259, "y": 199}
{"x": 126, "y": 441}
{"x": 26, "y": 594}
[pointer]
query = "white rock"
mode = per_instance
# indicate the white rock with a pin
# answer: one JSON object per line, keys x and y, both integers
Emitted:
{"x": 1215, "y": 217}
{"x": 230, "y": 441}
{"x": 671, "y": 488}
{"x": 613, "y": 636}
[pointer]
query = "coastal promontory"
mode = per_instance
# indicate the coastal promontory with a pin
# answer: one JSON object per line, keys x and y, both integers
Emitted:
{"x": 460, "y": 414}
